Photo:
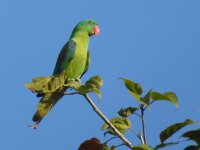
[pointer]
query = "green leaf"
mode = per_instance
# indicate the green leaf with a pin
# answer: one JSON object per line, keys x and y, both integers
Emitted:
{"x": 41, "y": 80}
{"x": 193, "y": 135}
{"x": 142, "y": 147}
{"x": 135, "y": 89}
{"x": 88, "y": 88}
{"x": 122, "y": 131}
{"x": 122, "y": 124}
{"x": 96, "y": 81}
{"x": 168, "y": 96}
{"x": 53, "y": 84}
{"x": 146, "y": 100}
{"x": 37, "y": 83}
{"x": 73, "y": 84}
{"x": 92, "y": 85}
{"x": 162, "y": 145}
{"x": 169, "y": 131}
{"x": 192, "y": 147}
{"x": 46, "y": 84}
{"x": 112, "y": 148}
{"x": 127, "y": 111}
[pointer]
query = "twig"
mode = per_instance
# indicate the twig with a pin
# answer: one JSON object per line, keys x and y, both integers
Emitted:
{"x": 141, "y": 137}
{"x": 95, "y": 108}
{"x": 120, "y": 145}
{"x": 110, "y": 139}
{"x": 137, "y": 135}
{"x": 143, "y": 124}
{"x": 138, "y": 115}
{"x": 72, "y": 93}
{"x": 182, "y": 141}
{"x": 149, "y": 104}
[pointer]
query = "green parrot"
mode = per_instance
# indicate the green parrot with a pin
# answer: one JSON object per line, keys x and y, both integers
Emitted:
{"x": 73, "y": 61}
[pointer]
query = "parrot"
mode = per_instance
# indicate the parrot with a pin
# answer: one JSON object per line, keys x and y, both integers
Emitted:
{"x": 73, "y": 60}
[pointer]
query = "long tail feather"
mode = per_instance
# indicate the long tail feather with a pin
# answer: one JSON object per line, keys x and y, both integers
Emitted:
{"x": 46, "y": 104}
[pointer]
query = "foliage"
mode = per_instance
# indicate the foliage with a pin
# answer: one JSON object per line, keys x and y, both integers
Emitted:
{"x": 168, "y": 96}
{"x": 163, "y": 145}
{"x": 169, "y": 131}
{"x": 127, "y": 111}
{"x": 44, "y": 85}
{"x": 92, "y": 85}
{"x": 193, "y": 135}
{"x": 94, "y": 144}
{"x": 136, "y": 90}
{"x": 122, "y": 124}
{"x": 142, "y": 147}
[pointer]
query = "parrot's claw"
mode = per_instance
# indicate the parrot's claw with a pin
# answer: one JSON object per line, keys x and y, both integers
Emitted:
{"x": 33, "y": 90}
{"x": 34, "y": 126}
{"x": 72, "y": 79}
{"x": 78, "y": 80}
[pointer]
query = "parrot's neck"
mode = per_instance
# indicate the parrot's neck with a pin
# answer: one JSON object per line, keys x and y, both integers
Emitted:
{"x": 83, "y": 37}
{"x": 81, "y": 34}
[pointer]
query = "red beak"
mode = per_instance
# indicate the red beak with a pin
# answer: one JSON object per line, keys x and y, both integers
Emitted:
{"x": 96, "y": 30}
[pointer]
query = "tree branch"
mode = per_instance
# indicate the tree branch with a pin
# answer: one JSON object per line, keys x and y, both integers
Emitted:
{"x": 139, "y": 136}
{"x": 142, "y": 108}
{"x": 72, "y": 93}
{"x": 96, "y": 109}
{"x": 120, "y": 145}
{"x": 138, "y": 115}
{"x": 110, "y": 139}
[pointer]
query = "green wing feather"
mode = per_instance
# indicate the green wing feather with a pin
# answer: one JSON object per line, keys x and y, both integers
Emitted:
{"x": 66, "y": 55}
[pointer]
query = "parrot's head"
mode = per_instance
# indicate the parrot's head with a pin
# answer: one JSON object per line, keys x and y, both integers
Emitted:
{"x": 87, "y": 26}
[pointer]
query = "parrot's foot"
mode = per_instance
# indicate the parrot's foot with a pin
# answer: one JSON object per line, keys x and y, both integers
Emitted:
{"x": 33, "y": 90}
{"x": 72, "y": 79}
{"x": 78, "y": 80}
{"x": 34, "y": 126}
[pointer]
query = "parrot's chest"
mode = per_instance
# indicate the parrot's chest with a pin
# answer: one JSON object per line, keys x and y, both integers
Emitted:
{"x": 77, "y": 65}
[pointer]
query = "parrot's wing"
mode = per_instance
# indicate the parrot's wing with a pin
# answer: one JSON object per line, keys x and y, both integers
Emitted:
{"x": 66, "y": 55}
{"x": 87, "y": 63}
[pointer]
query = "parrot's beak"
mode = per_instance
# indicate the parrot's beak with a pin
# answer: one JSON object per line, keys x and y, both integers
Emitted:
{"x": 96, "y": 30}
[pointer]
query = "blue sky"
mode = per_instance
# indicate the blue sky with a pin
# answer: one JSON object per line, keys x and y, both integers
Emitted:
{"x": 155, "y": 43}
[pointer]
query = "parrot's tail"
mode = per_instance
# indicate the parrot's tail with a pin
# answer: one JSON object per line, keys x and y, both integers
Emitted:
{"x": 46, "y": 104}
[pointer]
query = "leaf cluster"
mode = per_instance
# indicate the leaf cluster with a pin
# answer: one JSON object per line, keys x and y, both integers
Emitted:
{"x": 136, "y": 91}
{"x": 42, "y": 85}
{"x": 122, "y": 123}
{"x": 55, "y": 83}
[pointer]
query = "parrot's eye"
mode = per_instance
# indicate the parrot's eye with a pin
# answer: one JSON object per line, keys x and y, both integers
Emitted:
{"x": 89, "y": 22}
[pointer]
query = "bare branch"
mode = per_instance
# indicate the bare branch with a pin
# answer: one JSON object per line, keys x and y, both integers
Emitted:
{"x": 142, "y": 108}
{"x": 139, "y": 136}
{"x": 96, "y": 109}
{"x": 110, "y": 139}
{"x": 138, "y": 115}
{"x": 120, "y": 145}
{"x": 72, "y": 93}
